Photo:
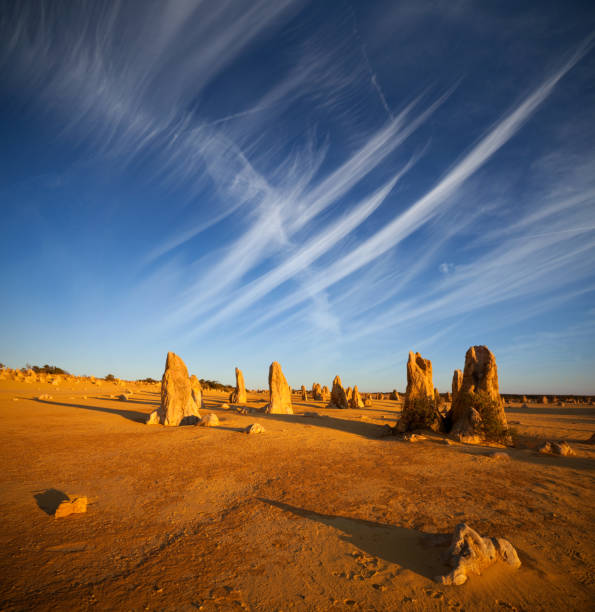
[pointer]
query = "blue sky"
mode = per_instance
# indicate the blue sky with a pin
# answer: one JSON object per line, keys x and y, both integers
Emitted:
{"x": 328, "y": 185}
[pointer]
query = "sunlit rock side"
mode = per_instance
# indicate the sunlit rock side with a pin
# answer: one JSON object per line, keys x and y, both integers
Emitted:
{"x": 477, "y": 409}
{"x": 279, "y": 392}
{"x": 419, "y": 408}
{"x": 238, "y": 395}
{"x": 338, "y": 396}
{"x": 178, "y": 406}
{"x": 356, "y": 399}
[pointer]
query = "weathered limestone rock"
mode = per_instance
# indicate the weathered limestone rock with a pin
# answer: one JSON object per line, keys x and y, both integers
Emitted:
{"x": 368, "y": 402}
{"x": 317, "y": 392}
{"x": 457, "y": 383}
{"x": 348, "y": 394}
{"x": 326, "y": 394}
{"x": 255, "y": 428}
{"x": 279, "y": 392}
{"x": 178, "y": 406}
{"x": 477, "y": 409}
{"x": 469, "y": 553}
{"x": 304, "y": 394}
{"x": 196, "y": 391}
{"x": 394, "y": 395}
{"x": 74, "y": 505}
{"x": 556, "y": 448}
{"x": 419, "y": 409}
{"x": 338, "y": 395}
{"x": 209, "y": 420}
{"x": 238, "y": 396}
{"x": 123, "y": 397}
{"x": 544, "y": 400}
{"x": 356, "y": 399}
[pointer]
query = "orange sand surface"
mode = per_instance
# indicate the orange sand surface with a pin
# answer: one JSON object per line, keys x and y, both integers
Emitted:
{"x": 317, "y": 513}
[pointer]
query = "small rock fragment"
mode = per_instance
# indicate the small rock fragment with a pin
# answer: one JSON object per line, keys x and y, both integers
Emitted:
{"x": 209, "y": 420}
{"x": 255, "y": 428}
{"x": 74, "y": 505}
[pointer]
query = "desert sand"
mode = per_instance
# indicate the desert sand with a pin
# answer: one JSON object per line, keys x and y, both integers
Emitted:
{"x": 316, "y": 513}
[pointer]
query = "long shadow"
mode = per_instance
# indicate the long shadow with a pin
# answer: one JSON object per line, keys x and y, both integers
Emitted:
{"x": 359, "y": 428}
{"x": 553, "y": 410}
{"x": 131, "y": 415}
{"x": 130, "y": 400}
{"x": 50, "y": 499}
{"x": 405, "y": 547}
{"x": 535, "y": 458}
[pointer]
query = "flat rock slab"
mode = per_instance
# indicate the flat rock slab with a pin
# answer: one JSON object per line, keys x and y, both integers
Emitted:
{"x": 74, "y": 505}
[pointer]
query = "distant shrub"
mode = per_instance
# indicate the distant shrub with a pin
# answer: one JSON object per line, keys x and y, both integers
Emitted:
{"x": 46, "y": 369}
{"x": 215, "y": 384}
{"x": 110, "y": 378}
{"x": 146, "y": 380}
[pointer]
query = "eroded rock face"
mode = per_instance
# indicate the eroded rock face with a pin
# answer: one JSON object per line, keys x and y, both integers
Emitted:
{"x": 338, "y": 395}
{"x": 556, "y": 448}
{"x": 209, "y": 420}
{"x": 255, "y": 428}
{"x": 419, "y": 409}
{"x": 356, "y": 399}
{"x": 477, "y": 409}
{"x": 457, "y": 383}
{"x": 469, "y": 553}
{"x": 317, "y": 392}
{"x": 178, "y": 406}
{"x": 74, "y": 505}
{"x": 304, "y": 394}
{"x": 279, "y": 392}
{"x": 238, "y": 396}
{"x": 196, "y": 391}
{"x": 326, "y": 394}
{"x": 394, "y": 395}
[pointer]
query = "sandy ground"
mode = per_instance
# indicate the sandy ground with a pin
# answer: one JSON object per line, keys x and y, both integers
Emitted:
{"x": 318, "y": 513}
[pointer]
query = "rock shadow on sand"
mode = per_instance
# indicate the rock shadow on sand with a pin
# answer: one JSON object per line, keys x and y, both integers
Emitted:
{"x": 131, "y": 415}
{"x": 416, "y": 551}
{"x": 50, "y": 499}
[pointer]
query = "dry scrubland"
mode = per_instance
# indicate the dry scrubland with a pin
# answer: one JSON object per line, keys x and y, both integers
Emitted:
{"x": 317, "y": 513}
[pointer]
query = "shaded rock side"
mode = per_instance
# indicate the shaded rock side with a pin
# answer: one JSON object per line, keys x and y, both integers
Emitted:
{"x": 419, "y": 408}
{"x": 279, "y": 392}
{"x": 238, "y": 395}
{"x": 178, "y": 406}
{"x": 338, "y": 397}
{"x": 477, "y": 408}
{"x": 470, "y": 553}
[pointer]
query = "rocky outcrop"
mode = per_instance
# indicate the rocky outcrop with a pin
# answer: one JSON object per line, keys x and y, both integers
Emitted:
{"x": 338, "y": 395}
{"x": 238, "y": 395}
{"x": 326, "y": 394}
{"x": 178, "y": 406}
{"x": 477, "y": 409}
{"x": 317, "y": 392}
{"x": 209, "y": 420}
{"x": 556, "y": 448}
{"x": 73, "y": 505}
{"x": 394, "y": 395}
{"x": 419, "y": 409}
{"x": 356, "y": 399}
{"x": 304, "y": 394}
{"x": 457, "y": 383}
{"x": 469, "y": 553}
{"x": 279, "y": 392}
{"x": 196, "y": 391}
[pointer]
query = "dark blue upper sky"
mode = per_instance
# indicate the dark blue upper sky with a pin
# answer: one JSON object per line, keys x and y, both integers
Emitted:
{"x": 325, "y": 184}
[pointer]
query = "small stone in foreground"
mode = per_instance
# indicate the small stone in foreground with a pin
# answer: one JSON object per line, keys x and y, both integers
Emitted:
{"x": 209, "y": 420}
{"x": 469, "y": 553}
{"x": 255, "y": 428}
{"x": 123, "y": 397}
{"x": 556, "y": 448}
{"x": 74, "y": 505}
